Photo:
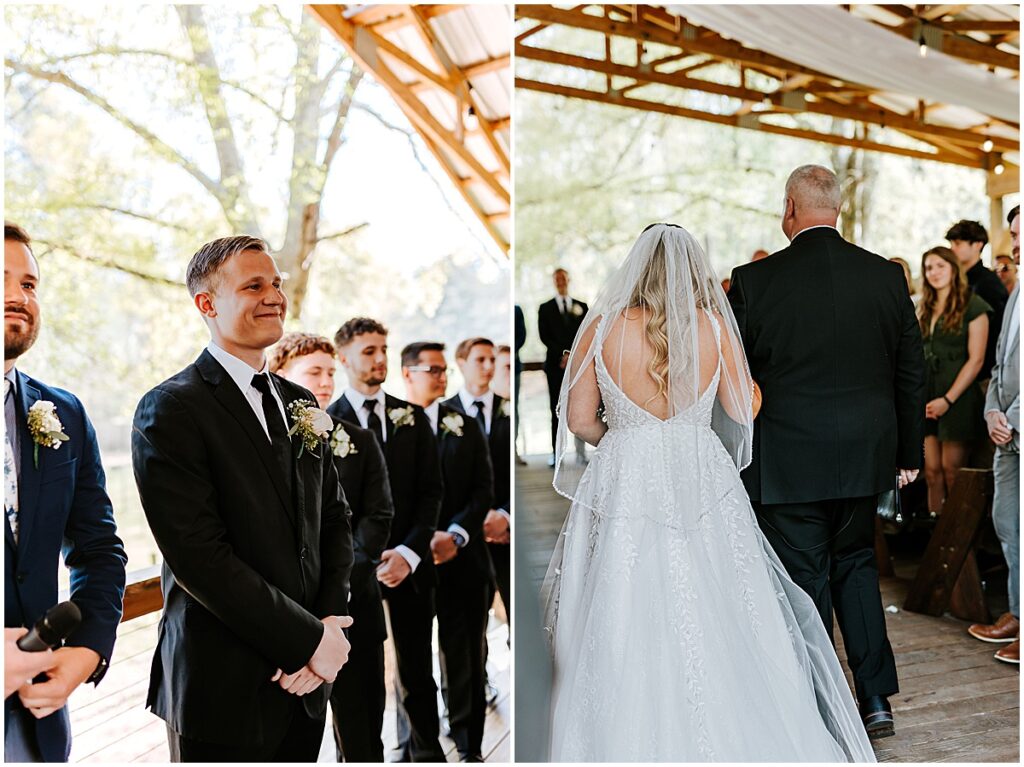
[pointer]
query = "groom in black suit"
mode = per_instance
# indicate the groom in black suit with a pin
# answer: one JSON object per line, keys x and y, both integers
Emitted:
{"x": 832, "y": 340}
{"x": 558, "y": 321}
{"x": 407, "y": 568}
{"x": 463, "y": 564}
{"x": 253, "y": 527}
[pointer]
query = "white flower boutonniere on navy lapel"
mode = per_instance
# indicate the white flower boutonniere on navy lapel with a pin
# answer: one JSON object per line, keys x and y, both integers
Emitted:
{"x": 45, "y": 428}
{"x": 452, "y": 424}
{"x": 505, "y": 411}
{"x": 576, "y": 310}
{"x": 341, "y": 443}
{"x": 310, "y": 423}
{"x": 401, "y": 416}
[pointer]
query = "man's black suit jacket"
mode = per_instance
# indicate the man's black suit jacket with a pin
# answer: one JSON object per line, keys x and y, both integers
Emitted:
{"x": 468, "y": 486}
{"x": 832, "y": 340}
{"x": 558, "y": 331}
{"x": 249, "y": 568}
{"x": 415, "y": 476}
{"x": 364, "y": 478}
{"x": 499, "y": 446}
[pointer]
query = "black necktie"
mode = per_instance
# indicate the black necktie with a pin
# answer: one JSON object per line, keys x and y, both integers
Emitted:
{"x": 373, "y": 420}
{"x": 480, "y": 416}
{"x": 279, "y": 441}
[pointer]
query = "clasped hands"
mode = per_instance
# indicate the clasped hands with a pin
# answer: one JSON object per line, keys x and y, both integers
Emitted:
{"x": 999, "y": 428}
{"x": 331, "y": 654}
{"x": 65, "y": 669}
{"x": 496, "y": 527}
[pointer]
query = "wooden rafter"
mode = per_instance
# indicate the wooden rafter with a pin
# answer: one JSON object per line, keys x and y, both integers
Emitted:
{"x": 408, "y": 75}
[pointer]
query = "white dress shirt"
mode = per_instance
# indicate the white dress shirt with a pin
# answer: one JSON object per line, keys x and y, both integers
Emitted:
{"x": 816, "y": 226}
{"x": 241, "y": 373}
{"x": 487, "y": 398}
{"x": 432, "y": 413}
{"x": 357, "y": 399}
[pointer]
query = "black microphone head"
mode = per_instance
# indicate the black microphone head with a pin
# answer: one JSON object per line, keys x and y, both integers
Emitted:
{"x": 59, "y": 621}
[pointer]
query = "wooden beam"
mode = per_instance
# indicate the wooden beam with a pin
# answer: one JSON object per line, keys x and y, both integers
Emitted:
{"x": 962, "y": 47}
{"x": 732, "y": 121}
{"x": 981, "y": 25}
{"x": 873, "y": 116}
{"x": 430, "y": 11}
{"x": 411, "y": 63}
{"x": 933, "y": 12}
{"x": 487, "y": 66}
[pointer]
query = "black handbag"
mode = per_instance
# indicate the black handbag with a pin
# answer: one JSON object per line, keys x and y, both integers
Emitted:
{"x": 890, "y": 508}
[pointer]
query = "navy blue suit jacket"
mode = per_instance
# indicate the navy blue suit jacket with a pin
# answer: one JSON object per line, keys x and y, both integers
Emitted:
{"x": 62, "y": 506}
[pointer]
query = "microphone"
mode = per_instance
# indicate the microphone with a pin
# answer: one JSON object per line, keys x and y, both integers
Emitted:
{"x": 50, "y": 630}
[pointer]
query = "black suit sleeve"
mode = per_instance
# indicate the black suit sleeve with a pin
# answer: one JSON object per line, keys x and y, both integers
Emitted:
{"x": 371, "y": 533}
{"x": 544, "y": 331}
{"x": 180, "y": 501}
{"x": 520, "y": 329}
{"x": 738, "y": 302}
{"x": 429, "y": 489}
{"x": 94, "y": 553}
{"x": 336, "y": 546}
{"x": 471, "y": 517}
{"x": 909, "y": 385}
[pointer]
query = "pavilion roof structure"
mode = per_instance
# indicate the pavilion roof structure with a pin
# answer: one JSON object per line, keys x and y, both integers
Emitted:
{"x": 449, "y": 69}
{"x": 716, "y": 64}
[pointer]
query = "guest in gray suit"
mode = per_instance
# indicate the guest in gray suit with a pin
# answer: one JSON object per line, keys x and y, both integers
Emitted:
{"x": 1002, "y": 414}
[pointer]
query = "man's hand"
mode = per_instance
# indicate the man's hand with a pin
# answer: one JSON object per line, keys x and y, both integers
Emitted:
{"x": 393, "y": 568}
{"x": 20, "y": 666}
{"x": 496, "y": 529}
{"x": 302, "y": 682}
{"x": 443, "y": 546}
{"x": 905, "y": 477}
{"x": 71, "y": 666}
{"x": 999, "y": 428}
{"x": 332, "y": 652}
{"x": 564, "y": 361}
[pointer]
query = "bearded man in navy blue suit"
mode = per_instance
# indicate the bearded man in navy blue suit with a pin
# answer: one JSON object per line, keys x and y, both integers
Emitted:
{"x": 55, "y": 501}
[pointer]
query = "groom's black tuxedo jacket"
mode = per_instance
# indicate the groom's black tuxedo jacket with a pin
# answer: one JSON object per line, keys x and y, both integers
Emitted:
{"x": 468, "y": 486}
{"x": 364, "y": 477}
{"x": 499, "y": 443}
{"x": 249, "y": 567}
{"x": 415, "y": 476}
{"x": 832, "y": 340}
{"x": 558, "y": 331}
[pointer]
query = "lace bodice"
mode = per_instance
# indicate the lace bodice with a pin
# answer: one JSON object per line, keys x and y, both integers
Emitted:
{"x": 620, "y": 412}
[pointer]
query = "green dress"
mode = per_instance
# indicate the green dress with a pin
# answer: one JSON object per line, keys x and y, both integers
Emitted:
{"x": 945, "y": 352}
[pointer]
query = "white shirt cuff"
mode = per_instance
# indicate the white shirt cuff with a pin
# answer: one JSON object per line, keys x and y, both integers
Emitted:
{"x": 454, "y": 528}
{"x": 505, "y": 514}
{"x": 409, "y": 556}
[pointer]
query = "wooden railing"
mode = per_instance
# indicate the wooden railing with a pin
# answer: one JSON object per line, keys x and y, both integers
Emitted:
{"x": 142, "y": 595}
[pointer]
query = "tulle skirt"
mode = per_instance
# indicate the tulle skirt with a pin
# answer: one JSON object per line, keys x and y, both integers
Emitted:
{"x": 677, "y": 634}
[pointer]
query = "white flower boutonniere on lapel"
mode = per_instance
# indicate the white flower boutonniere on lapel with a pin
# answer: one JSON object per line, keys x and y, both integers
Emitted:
{"x": 505, "y": 411}
{"x": 401, "y": 416}
{"x": 341, "y": 443}
{"x": 45, "y": 428}
{"x": 452, "y": 424}
{"x": 576, "y": 310}
{"x": 310, "y": 423}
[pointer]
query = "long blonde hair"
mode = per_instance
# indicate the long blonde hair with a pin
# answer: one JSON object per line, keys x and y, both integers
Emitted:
{"x": 649, "y": 296}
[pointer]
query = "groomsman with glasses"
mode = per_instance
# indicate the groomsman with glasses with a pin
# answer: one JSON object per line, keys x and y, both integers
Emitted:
{"x": 407, "y": 568}
{"x": 253, "y": 527}
{"x": 464, "y": 567}
{"x": 55, "y": 504}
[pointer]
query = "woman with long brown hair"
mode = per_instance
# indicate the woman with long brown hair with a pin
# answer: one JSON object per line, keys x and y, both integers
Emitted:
{"x": 954, "y": 324}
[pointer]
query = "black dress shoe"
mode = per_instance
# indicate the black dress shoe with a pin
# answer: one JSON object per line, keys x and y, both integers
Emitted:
{"x": 877, "y": 715}
{"x": 470, "y": 758}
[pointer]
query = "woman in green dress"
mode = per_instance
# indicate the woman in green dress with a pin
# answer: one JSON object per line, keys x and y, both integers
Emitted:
{"x": 955, "y": 324}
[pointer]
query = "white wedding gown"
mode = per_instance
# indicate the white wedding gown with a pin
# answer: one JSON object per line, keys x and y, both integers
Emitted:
{"x": 678, "y": 636}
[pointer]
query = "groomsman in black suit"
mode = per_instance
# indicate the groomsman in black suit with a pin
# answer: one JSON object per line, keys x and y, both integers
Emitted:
{"x": 463, "y": 564}
{"x": 56, "y": 503}
{"x": 477, "y": 362}
{"x": 832, "y": 340}
{"x": 359, "y": 696}
{"x": 253, "y": 527}
{"x": 407, "y": 567}
{"x": 558, "y": 320}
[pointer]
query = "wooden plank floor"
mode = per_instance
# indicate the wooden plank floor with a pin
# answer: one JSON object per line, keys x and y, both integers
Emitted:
{"x": 111, "y": 724}
{"x": 956, "y": 704}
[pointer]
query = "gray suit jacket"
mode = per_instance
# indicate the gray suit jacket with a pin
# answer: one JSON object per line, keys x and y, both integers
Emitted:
{"x": 1004, "y": 390}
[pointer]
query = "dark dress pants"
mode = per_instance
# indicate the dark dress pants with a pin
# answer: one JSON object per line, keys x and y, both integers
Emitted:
{"x": 828, "y": 549}
{"x": 357, "y": 703}
{"x": 554, "y": 374}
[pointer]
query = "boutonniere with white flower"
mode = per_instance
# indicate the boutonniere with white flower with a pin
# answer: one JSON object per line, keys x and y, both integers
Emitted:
{"x": 576, "y": 310}
{"x": 452, "y": 424}
{"x": 341, "y": 443}
{"x": 505, "y": 411}
{"x": 45, "y": 428}
{"x": 401, "y": 416}
{"x": 310, "y": 423}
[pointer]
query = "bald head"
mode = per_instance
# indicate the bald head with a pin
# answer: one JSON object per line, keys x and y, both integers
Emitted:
{"x": 812, "y": 199}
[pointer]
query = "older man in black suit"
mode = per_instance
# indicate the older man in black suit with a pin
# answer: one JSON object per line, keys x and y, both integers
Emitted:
{"x": 832, "y": 340}
{"x": 253, "y": 526}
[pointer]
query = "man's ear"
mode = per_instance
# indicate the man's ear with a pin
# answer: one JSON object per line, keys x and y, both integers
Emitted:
{"x": 204, "y": 303}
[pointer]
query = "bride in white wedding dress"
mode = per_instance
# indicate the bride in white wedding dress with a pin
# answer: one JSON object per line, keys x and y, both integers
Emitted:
{"x": 677, "y": 634}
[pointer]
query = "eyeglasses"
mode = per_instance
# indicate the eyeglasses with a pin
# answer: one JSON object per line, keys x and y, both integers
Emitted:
{"x": 1002, "y": 268}
{"x": 434, "y": 370}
